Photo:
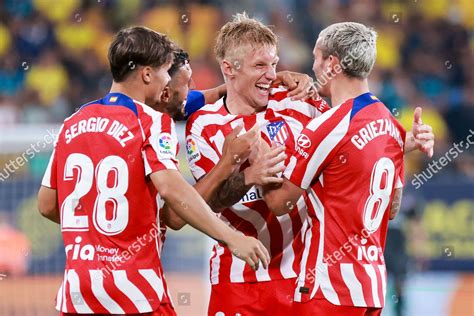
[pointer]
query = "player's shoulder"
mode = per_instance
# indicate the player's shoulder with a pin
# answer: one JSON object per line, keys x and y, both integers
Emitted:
{"x": 208, "y": 113}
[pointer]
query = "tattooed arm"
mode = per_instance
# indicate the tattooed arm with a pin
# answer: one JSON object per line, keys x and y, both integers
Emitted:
{"x": 261, "y": 172}
{"x": 396, "y": 203}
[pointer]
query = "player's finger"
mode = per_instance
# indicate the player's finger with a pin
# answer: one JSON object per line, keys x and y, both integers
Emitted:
{"x": 277, "y": 159}
{"x": 424, "y": 136}
{"x": 255, "y": 259}
{"x": 276, "y": 169}
{"x": 272, "y": 180}
{"x": 303, "y": 92}
{"x": 263, "y": 258}
{"x": 417, "y": 115}
{"x": 425, "y": 128}
{"x": 234, "y": 132}
{"x": 250, "y": 262}
{"x": 290, "y": 82}
{"x": 431, "y": 152}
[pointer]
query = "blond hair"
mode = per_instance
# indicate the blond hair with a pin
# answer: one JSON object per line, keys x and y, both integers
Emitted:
{"x": 240, "y": 31}
{"x": 354, "y": 44}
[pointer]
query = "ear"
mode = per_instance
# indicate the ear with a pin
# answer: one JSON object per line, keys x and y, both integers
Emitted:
{"x": 146, "y": 74}
{"x": 227, "y": 69}
{"x": 333, "y": 64}
{"x": 165, "y": 95}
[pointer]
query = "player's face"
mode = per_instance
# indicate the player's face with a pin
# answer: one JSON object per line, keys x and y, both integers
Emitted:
{"x": 319, "y": 66}
{"x": 255, "y": 73}
{"x": 178, "y": 90}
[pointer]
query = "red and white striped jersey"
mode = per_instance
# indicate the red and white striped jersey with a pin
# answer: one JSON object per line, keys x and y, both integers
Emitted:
{"x": 282, "y": 121}
{"x": 108, "y": 207}
{"x": 350, "y": 160}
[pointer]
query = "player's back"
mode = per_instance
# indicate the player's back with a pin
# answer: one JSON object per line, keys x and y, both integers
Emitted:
{"x": 352, "y": 168}
{"x": 108, "y": 214}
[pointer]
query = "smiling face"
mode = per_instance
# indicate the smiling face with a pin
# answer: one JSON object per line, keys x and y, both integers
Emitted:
{"x": 253, "y": 72}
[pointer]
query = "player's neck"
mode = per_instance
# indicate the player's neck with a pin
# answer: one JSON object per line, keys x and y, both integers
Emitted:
{"x": 128, "y": 90}
{"x": 237, "y": 105}
{"x": 345, "y": 88}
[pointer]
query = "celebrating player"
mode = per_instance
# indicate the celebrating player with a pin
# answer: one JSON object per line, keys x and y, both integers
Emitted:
{"x": 96, "y": 186}
{"x": 350, "y": 163}
{"x": 246, "y": 51}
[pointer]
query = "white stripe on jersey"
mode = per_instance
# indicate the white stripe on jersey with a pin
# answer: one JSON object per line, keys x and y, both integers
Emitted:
{"x": 155, "y": 281}
{"x": 322, "y": 273}
{"x": 215, "y": 263}
{"x": 399, "y": 183}
{"x": 77, "y": 299}
{"x": 263, "y": 234}
{"x": 97, "y": 286}
{"x": 324, "y": 148}
{"x": 60, "y": 297}
{"x": 373, "y": 282}
{"x": 353, "y": 284}
{"x": 288, "y": 256}
{"x": 304, "y": 261}
{"x": 383, "y": 276}
{"x": 131, "y": 291}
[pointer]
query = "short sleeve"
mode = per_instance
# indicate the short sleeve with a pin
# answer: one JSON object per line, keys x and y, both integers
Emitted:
{"x": 160, "y": 148}
{"x": 194, "y": 101}
{"x": 201, "y": 155}
{"x": 50, "y": 178}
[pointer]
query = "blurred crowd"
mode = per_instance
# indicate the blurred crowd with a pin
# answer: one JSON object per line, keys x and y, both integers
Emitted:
{"x": 53, "y": 54}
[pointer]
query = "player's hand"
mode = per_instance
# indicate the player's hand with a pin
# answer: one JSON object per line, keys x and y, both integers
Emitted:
{"x": 265, "y": 167}
{"x": 423, "y": 134}
{"x": 236, "y": 148}
{"x": 300, "y": 85}
{"x": 250, "y": 250}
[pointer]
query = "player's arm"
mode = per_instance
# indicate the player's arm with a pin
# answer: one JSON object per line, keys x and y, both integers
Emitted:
{"x": 190, "y": 206}
{"x": 262, "y": 171}
{"x": 420, "y": 137}
{"x": 396, "y": 202}
{"x": 48, "y": 203}
{"x": 236, "y": 150}
{"x": 281, "y": 199}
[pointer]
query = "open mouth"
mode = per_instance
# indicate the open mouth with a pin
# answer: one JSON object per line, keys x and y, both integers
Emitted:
{"x": 263, "y": 88}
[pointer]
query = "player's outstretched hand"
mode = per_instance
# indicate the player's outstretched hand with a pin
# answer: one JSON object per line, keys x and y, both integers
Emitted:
{"x": 422, "y": 134}
{"x": 249, "y": 249}
{"x": 265, "y": 166}
{"x": 238, "y": 148}
{"x": 300, "y": 85}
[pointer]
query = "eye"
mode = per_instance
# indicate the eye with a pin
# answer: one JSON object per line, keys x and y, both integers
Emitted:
{"x": 259, "y": 65}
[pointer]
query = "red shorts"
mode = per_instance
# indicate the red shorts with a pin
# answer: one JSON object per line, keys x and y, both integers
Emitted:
{"x": 324, "y": 307}
{"x": 257, "y": 298}
{"x": 163, "y": 310}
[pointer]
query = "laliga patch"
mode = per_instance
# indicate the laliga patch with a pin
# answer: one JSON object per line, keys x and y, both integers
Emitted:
{"x": 192, "y": 150}
{"x": 166, "y": 145}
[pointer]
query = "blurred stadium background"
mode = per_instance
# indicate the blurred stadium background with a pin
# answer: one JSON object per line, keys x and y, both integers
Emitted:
{"x": 53, "y": 59}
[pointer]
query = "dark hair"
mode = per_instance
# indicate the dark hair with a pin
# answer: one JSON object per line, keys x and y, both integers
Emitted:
{"x": 138, "y": 46}
{"x": 180, "y": 58}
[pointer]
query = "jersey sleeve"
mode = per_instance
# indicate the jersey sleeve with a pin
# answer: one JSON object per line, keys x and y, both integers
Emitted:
{"x": 315, "y": 147}
{"x": 160, "y": 148}
{"x": 201, "y": 155}
{"x": 50, "y": 178}
{"x": 194, "y": 101}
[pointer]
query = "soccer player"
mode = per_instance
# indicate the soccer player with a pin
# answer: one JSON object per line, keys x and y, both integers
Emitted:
{"x": 349, "y": 161}
{"x": 247, "y": 53}
{"x": 96, "y": 186}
